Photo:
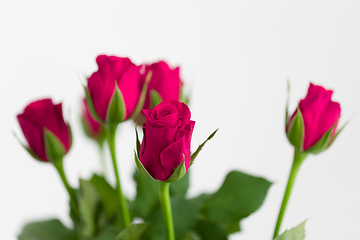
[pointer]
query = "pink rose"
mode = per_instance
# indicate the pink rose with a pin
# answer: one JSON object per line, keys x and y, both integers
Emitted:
{"x": 164, "y": 81}
{"x": 114, "y": 73}
{"x": 39, "y": 119}
{"x": 167, "y": 137}
{"x": 165, "y": 84}
{"x": 313, "y": 125}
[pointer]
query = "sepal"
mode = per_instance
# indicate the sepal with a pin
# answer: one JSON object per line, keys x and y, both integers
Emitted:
{"x": 194, "y": 155}
{"x": 101, "y": 136}
{"x": 155, "y": 98}
{"x": 138, "y": 145}
{"x": 338, "y": 132}
{"x": 54, "y": 149}
{"x": 179, "y": 172}
{"x": 323, "y": 143}
{"x": 31, "y": 152}
{"x": 295, "y": 131}
{"x": 142, "y": 169}
{"x": 91, "y": 107}
{"x": 70, "y": 135}
{"x": 140, "y": 104}
{"x": 116, "y": 111}
{"x": 139, "y": 165}
{"x": 287, "y": 105}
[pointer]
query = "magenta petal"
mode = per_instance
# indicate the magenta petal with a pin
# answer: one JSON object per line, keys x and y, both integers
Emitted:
{"x": 172, "y": 156}
{"x": 164, "y": 80}
{"x": 319, "y": 113}
{"x": 36, "y": 111}
{"x": 101, "y": 92}
{"x": 111, "y": 67}
{"x": 55, "y": 123}
{"x": 130, "y": 88}
{"x": 163, "y": 115}
{"x": 184, "y": 112}
{"x": 33, "y": 136}
{"x": 315, "y": 90}
{"x": 157, "y": 139}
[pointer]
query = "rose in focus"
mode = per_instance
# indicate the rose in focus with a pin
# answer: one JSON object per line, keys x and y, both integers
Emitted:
{"x": 312, "y": 127}
{"x": 167, "y": 137}
{"x": 115, "y": 89}
{"x": 42, "y": 123}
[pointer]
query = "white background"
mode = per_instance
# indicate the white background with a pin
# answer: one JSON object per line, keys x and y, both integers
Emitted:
{"x": 235, "y": 58}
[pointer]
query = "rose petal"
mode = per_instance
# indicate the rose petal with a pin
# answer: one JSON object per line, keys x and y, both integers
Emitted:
{"x": 101, "y": 92}
{"x": 156, "y": 140}
{"x": 319, "y": 112}
{"x": 164, "y": 80}
{"x": 163, "y": 115}
{"x": 129, "y": 86}
{"x": 172, "y": 156}
{"x": 33, "y": 136}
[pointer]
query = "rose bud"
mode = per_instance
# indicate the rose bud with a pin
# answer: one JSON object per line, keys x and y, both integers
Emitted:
{"x": 48, "y": 136}
{"x": 165, "y": 150}
{"x": 113, "y": 92}
{"x": 92, "y": 128}
{"x": 312, "y": 127}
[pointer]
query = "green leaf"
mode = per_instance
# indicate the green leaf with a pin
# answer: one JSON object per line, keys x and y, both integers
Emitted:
{"x": 184, "y": 215}
{"x": 91, "y": 107}
{"x": 209, "y": 230}
{"x": 146, "y": 195}
{"x": 155, "y": 98}
{"x": 238, "y": 197}
{"x": 178, "y": 173}
{"x": 109, "y": 233}
{"x": 231, "y": 227}
{"x": 323, "y": 143}
{"x": 107, "y": 194}
{"x": 116, "y": 110}
{"x": 179, "y": 188}
{"x": 142, "y": 169}
{"x": 89, "y": 203}
{"x": 191, "y": 236}
{"x": 140, "y": 104}
{"x": 194, "y": 155}
{"x": 133, "y": 232}
{"x": 295, "y": 133}
{"x": 296, "y": 233}
{"x": 54, "y": 149}
{"x": 47, "y": 230}
{"x": 199, "y": 200}
{"x": 31, "y": 152}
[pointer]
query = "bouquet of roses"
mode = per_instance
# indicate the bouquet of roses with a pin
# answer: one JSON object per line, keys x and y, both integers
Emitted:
{"x": 152, "y": 96}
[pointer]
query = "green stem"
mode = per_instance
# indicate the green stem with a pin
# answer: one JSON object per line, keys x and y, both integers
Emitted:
{"x": 125, "y": 214}
{"x": 166, "y": 209}
{"x": 298, "y": 159}
{"x": 73, "y": 199}
{"x": 102, "y": 160}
